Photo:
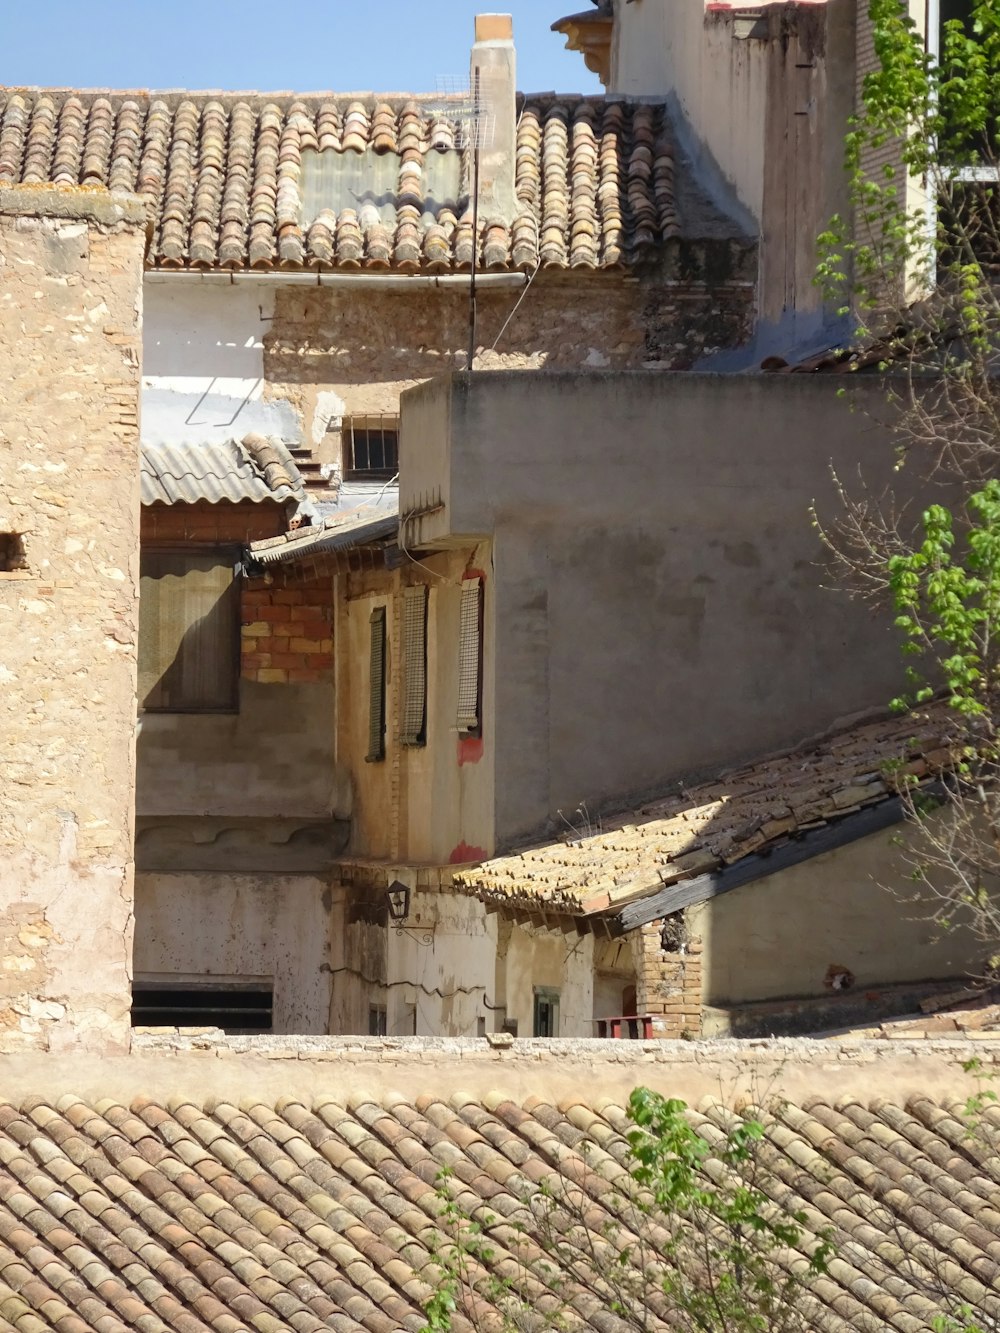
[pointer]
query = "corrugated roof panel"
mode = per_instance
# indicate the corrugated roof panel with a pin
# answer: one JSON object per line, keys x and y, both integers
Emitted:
{"x": 217, "y": 471}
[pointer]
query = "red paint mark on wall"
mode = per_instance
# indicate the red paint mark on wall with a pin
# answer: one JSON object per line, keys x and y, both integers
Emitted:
{"x": 463, "y": 854}
{"x": 470, "y": 750}
{"x": 472, "y": 573}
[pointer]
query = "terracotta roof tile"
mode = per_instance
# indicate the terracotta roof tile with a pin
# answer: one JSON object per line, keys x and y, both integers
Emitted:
{"x": 223, "y": 176}
{"x": 713, "y": 824}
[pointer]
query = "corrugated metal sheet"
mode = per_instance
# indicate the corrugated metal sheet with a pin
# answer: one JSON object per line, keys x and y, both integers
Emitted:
{"x": 216, "y": 471}
{"x": 354, "y": 528}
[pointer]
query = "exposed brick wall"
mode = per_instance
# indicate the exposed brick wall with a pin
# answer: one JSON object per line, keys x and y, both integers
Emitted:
{"x": 286, "y": 617}
{"x": 70, "y": 353}
{"x": 214, "y": 524}
{"x": 287, "y": 629}
{"x": 668, "y": 983}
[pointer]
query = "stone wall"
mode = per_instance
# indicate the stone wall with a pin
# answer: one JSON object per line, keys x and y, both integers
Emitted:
{"x": 70, "y": 352}
{"x": 331, "y": 354}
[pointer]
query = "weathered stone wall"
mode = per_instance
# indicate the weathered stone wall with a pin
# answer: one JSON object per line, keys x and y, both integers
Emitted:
{"x": 332, "y": 353}
{"x": 70, "y": 320}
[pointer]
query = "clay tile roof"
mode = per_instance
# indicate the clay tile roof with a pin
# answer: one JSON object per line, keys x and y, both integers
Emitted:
{"x": 223, "y": 177}
{"x": 254, "y": 469}
{"x": 711, "y": 825}
{"x": 307, "y": 1216}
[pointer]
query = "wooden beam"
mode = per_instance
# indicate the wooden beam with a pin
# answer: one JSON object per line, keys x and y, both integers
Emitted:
{"x": 689, "y": 892}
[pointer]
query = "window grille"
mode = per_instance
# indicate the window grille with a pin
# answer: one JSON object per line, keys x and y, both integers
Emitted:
{"x": 371, "y": 448}
{"x": 470, "y": 657}
{"x": 376, "y": 687}
{"x": 413, "y": 726}
{"x": 189, "y": 632}
{"x": 236, "y": 1007}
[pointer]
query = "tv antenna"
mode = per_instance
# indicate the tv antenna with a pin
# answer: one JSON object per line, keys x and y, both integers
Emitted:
{"x": 469, "y": 110}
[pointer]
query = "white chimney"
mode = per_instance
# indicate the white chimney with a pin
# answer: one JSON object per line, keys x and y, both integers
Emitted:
{"x": 494, "y": 75}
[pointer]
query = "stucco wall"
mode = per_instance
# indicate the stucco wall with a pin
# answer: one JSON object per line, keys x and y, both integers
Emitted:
{"x": 660, "y": 609}
{"x": 200, "y": 927}
{"x": 427, "y": 804}
{"x": 852, "y": 907}
{"x": 761, "y": 104}
{"x": 70, "y": 321}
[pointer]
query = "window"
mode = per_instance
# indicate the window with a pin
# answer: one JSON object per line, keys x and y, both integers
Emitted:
{"x": 413, "y": 725}
{"x": 189, "y": 632}
{"x": 470, "y": 658}
{"x": 371, "y": 448}
{"x": 12, "y": 555}
{"x": 237, "y": 1007}
{"x": 376, "y": 687}
{"x": 377, "y": 1026}
{"x": 546, "y": 1023}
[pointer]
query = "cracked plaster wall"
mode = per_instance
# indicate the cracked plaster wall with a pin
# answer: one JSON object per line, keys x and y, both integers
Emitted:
{"x": 70, "y": 319}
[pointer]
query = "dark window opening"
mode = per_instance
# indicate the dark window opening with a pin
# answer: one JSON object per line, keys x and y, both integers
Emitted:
{"x": 546, "y": 1022}
{"x": 189, "y": 631}
{"x": 371, "y": 448}
{"x": 413, "y": 722}
{"x": 376, "y": 687}
{"x": 470, "y": 659}
{"x": 377, "y": 1026}
{"x": 12, "y": 555}
{"x": 236, "y": 1008}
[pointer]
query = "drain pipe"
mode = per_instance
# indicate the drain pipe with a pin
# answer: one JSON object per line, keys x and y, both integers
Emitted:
{"x": 395, "y": 282}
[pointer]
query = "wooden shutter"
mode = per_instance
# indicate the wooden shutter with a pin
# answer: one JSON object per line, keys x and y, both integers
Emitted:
{"x": 412, "y": 729}
{"x": 376, "y": 687}
{"x": 470, "y": 656}
{"x": 189, "y": 614}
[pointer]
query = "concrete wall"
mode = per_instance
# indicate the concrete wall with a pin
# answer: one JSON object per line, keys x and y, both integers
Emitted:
{"x": 659, "y": 600}
{"x": 203, "y": 927}
{"x": 778, "y": 936}
{"x": 70, "y": 321}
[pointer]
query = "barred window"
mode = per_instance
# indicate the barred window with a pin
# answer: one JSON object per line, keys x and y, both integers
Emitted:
{"x": 470, "y": 658}
{"x": 189, "y": 631}
{"x": 371, "y": 448}
{"x": 413, "y": 724}
{"x": 376, "y": 687}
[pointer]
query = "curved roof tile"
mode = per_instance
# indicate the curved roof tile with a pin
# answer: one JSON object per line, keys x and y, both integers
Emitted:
{"x": 312, "y": 1214}
{"x": 222, "y": 173}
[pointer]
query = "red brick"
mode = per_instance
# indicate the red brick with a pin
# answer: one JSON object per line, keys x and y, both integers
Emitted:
{"x": 276, "y": 613}
{"x": 301, "y": 676}
{"x": 316, "y": 629}
{"x": 250, "y": 661}
{"x": 284, "y": 597}
{"x": 289, "y": 660}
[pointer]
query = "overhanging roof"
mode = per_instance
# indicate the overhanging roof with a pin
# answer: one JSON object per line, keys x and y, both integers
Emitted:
{"x": 340, "y": 532}
{"x": 224, "y": 177}
{"x": 254, "y": 469}
{"x": 703, "y": 839}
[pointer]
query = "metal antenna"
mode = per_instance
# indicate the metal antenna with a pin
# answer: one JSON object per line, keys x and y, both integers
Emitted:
{"x": 477, "y": 125}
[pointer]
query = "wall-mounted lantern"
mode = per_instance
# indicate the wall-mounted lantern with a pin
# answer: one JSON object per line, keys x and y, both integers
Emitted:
{"x": 397, "y": 902}
{"x": 397, "y": 897}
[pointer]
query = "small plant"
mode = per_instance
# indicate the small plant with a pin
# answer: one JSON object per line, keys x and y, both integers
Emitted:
{"x": 689, "y": 1239}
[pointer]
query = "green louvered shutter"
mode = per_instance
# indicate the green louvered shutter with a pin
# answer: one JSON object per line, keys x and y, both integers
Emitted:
{"x": 376, "y": 687}
{"x": 470, "y": 654}
{"x": 414, "y": 705}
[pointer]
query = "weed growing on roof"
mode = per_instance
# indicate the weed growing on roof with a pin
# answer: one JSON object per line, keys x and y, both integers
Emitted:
{"x": 681, "y": 1234}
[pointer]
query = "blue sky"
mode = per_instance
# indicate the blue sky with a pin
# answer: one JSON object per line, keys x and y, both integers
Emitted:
{"x": 343, "y": 45}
